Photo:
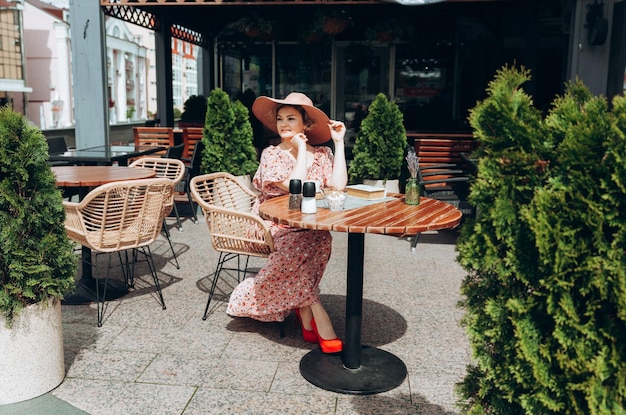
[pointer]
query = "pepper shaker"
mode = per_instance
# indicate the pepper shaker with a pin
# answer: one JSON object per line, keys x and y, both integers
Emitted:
{"x": 295, "y": 194}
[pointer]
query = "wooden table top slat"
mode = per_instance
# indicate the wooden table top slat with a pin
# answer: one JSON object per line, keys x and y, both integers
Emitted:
{"x": 389, "y": 218}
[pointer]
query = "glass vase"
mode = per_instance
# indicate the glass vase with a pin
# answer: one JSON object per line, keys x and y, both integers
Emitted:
{"x": 412, "y": 192}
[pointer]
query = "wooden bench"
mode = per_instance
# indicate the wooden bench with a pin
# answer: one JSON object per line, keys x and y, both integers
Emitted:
{"x": 444, "y": 151}
{"x": 442, "y": 148}
{"x": 191, "y": 135}
{"x": 154, "y": 136}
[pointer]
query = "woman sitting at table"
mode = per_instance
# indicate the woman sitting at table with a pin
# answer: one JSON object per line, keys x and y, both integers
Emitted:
{"x": 292, "y": 274}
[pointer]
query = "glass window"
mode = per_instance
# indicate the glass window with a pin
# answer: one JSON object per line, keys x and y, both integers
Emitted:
{"x": 423, "y": 88}
{"x": 246, "y": 66}
{"x": 304, "y": 69}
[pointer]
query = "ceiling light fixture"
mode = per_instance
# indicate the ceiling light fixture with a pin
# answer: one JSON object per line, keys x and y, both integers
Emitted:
{"x": 414, "y": 2}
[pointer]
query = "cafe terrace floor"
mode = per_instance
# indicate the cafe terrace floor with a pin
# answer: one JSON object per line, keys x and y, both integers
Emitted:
{"x": 145, "y": 360}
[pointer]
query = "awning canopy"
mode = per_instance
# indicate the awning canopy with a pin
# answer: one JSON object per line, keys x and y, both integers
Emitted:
{"x": 14, "y": 85}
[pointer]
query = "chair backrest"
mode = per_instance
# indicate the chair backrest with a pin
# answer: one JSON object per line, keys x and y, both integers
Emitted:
{"x": 191, "y": 135}
{"x": 175, "y": 152}
{"x": 196, "y": 159}
{"x": 168, "y": 168}
{"x": 56, "y": 145}
{"x": 227, "y": 206}
{"x": 121, "y": 215}
{"x": 226, "y": 191}
{"x": 154, "y": 136}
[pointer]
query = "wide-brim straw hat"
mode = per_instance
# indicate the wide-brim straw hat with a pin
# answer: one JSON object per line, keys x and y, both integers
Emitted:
{"x": 264, "y": 108}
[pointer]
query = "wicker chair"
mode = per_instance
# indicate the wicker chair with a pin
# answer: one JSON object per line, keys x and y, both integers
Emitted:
{"x": 118, "y": 217}
{"x": 170, "y": 169}
{"x": 235, "y": 230}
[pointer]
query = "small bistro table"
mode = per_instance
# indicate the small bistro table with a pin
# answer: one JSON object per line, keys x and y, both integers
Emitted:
{"x": 361, "y": 370}
{"x": 85, "y": 178}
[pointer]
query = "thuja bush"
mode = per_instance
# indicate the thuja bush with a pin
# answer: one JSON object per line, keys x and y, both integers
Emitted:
{"x": 227, "y": 137}
{"x": 380, "y": 144}
{"x": 545, "y": 294}
{"x": 36, "y": 256}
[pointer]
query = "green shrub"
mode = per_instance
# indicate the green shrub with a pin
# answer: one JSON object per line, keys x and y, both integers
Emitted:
{"x": 36, "y": 257}
{"x": 379, "y": 147}
{"x": 546, "y": 292}
{"x": 227, "y": 137}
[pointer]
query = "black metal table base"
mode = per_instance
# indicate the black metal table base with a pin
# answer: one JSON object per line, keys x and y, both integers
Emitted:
{"x": 85, "y": 290}
{"x": 380, "y": 371}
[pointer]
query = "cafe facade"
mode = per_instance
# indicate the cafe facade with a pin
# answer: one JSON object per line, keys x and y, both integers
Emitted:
{"x": 434, "y": 60}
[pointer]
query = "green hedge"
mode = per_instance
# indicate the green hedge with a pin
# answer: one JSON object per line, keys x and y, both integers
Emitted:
{"x": 545, "y": 293}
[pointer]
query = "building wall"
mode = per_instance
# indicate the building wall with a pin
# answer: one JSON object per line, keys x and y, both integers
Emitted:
{"x": 126, "y": 71}
{"x": 12, "y": 65}
{"x": 47, "y": 47}
{"x": 589, "y": 62}
{"x": 131, "y": 69}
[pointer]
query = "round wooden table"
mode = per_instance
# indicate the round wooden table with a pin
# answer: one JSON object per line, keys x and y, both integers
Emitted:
{"x": 361, "y": 370}
{"x": 85, "y": 178}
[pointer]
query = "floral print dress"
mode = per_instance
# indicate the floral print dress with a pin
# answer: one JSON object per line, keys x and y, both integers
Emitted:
{"x": 292, "y": 273}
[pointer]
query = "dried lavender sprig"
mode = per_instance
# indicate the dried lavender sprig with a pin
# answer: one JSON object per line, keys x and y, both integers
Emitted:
{"x": 412, "y": 162}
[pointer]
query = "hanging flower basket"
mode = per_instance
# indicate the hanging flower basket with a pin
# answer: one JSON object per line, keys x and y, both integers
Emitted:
{"x": 388, "y": 31}
{"x": 335, "y": 25}
{"x": 332, "y": 21}
{"x": 254, "y": 27}
{"x": 312, "y": 32}
{"x": 385, "y": 36}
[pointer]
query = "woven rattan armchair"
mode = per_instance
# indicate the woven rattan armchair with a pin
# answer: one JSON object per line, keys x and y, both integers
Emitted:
{"x": 168, "y": 168}
{"x": 227, "y": 207}
{"x": 118, "y": 217}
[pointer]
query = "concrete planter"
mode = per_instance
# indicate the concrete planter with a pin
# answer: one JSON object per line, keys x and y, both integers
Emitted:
{"x": 32, "y": 353}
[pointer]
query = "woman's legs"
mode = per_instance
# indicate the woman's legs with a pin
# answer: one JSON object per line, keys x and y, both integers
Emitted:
{"x": 322, "y": 320}
{"x": 290, "y": 277}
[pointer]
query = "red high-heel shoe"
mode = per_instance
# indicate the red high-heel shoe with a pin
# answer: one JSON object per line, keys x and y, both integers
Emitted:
{"x": 328, "y": 346}
{"x": 307, "y": 335}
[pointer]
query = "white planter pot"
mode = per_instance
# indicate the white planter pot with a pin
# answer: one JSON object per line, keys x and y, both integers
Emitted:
{"x": 392, "y": 185}
{"x": 31, "y": 351}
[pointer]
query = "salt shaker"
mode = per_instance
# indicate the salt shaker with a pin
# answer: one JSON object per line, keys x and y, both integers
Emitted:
{"x": 295, "y": 194}
{"x": 309, "y": 204}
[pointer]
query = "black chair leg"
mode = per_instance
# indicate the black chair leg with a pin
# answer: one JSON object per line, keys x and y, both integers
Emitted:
{"x": 145, "y": 250}
{"x": 101, "y": 301}
{"x": 169, "y": 240}
{"x": 179, "y": 226}
{"x": 193, "y": 208}
{"x": 218, "y": 269}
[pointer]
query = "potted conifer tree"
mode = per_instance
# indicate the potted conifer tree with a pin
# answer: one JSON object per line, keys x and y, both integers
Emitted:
{"x": 379, "y": 147}
{"x": 228, "y": 138}
{"x": 37, "y": 263}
